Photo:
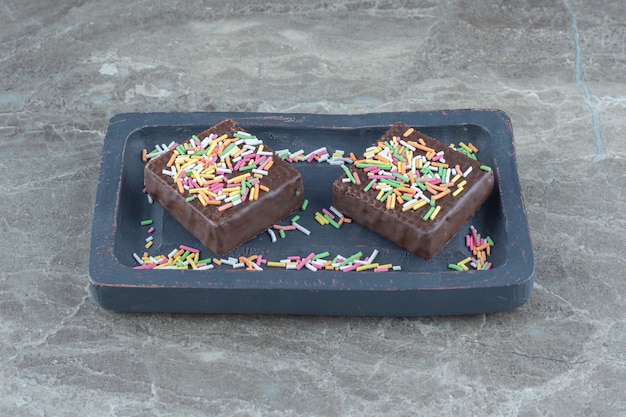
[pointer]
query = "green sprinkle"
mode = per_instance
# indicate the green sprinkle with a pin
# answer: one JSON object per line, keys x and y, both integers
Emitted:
{"x": 147, "y": 222}
{"x": 284, "y": 155}
{"x": 190, "y": 199}
{"x": 348, "y": 174}
{"x": 488, "y": 239}
{"x": 368, "y": 186}
{"x": 385, "y": 196}
{"x": 281, "y": 232}
{"x": 243, "y": 135}
{"x": 485, "y": 168}
{"x": 184, "y": 256}
{"x": 295, "y": 218}
{"x": 351, "y": 258}
{"x": 247, "y": 167}
{"x": 228, "y": 149}
{"x": 332, "y": 222}
{"x": 305, "y": 204}
{"x": 428, "y": 213}
{"x": 400, "y": 176}
{"x": 394, "y": 184}
{"x": 321, "y": 255}
{"x": 204, "y": 261}
{"x": 380, "y": 165}
{"x": 455, "y": 267}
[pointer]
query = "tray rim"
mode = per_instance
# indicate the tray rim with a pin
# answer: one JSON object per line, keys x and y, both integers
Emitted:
{"x": 103, "y": 264}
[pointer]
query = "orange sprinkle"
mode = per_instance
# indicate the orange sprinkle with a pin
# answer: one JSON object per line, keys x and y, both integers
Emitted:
{"x": 436, "y": 187}
{"x": 179, "y": 183}
{"x": 472, "y": 147}
{"x": 216, "y": 261}
{"x": 352, "y": 156}
{"x": 347, "y": 220}
{"x": 408, "y": 132}
{"x": 264, "y": 187}
{"x": 269, "y": 165}
{"x": 144, "y": 158}
{"x": 439, "y": 164}
{"x": 228, "y": 163}
{"x": 441, "y": 194}
{"x": 340, "y": 222}
{"x": 225, "y": 206}
{"x": 172, "y": 159}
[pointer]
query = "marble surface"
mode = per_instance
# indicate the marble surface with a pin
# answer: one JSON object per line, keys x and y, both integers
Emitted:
{"x": 557, "y": 68}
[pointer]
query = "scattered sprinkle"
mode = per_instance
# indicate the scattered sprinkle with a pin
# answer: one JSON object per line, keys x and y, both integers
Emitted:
{"x": 480, "y": 248}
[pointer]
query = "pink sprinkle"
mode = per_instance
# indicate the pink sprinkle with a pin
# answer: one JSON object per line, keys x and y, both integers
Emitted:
{"x": 356, "y": 177}
{"x": 239, "y": 164}
{"x": 436, "y": 157}
{"x": 145, "y": 266}
{"x": 371, "y": 168}
{"x": 294, "y": 258}
{"x": 381, "y": 269}
{"x": 488, "y": 266}
{"x": 328, "y": 213}
{"x": 151, "y": 230}
{"x": 190, "y": 249}
{"x": 351, "y": 267}
{"x": 305, "y": 261}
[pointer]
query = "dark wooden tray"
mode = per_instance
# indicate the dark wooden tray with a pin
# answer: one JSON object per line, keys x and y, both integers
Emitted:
{"x": 420, "y": 288}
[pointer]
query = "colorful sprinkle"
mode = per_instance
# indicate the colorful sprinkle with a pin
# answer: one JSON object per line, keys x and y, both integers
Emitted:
{"x": 480, "y": 249}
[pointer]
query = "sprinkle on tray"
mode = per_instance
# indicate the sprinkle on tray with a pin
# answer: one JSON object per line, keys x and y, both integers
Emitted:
{"x": 480, "y": 248}
{"x": 188, "y": 258}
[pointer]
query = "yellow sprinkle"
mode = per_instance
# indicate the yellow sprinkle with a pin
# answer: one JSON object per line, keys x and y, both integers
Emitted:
{"x": 464, "y": 261}
{"x": 456, "y": 178}
{"x": 276, "y": 264}
{"x": 388, "y": 266}
{"x": 462, "y": 184}
{"x": 434, "y": 214}
{"x": 238, "y": 178}
{"x": 149, "y": 244}
{"x": 457, "y": 191}
{"x": 366, "y": 267}
{"x": 420, "y": 204}
{"x": 464, "y": 146}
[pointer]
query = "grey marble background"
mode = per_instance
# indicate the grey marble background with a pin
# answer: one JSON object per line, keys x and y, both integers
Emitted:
{"x": 558, "y": 68}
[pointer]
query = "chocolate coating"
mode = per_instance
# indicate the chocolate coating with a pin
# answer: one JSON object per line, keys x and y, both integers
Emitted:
{"x": 223, "y": 231}
{"x": 407, "y": 229}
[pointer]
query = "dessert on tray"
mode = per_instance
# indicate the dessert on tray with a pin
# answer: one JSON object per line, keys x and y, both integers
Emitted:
{"x": 224, "y": 186}
{"x": 413, "y": 190}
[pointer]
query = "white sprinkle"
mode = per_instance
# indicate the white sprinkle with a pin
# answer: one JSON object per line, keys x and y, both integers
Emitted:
{"x": 310, "y": 267}
{"x": 137, "y": 258}
{"x": 259, "y": 171}
{"x": 302, "y": 229}
{"x": 372, "y": 256}
{"x": 467, "y": 172}
{"x": 272, "y": 235}
{"x": 291, "y": 265}
{"x": 205, "y": 267}
{"x": 150, "y": 199}
{"x": 396, "y": 268}
{"x": 337, "y": 212}
{"x": 149, "y": 238}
